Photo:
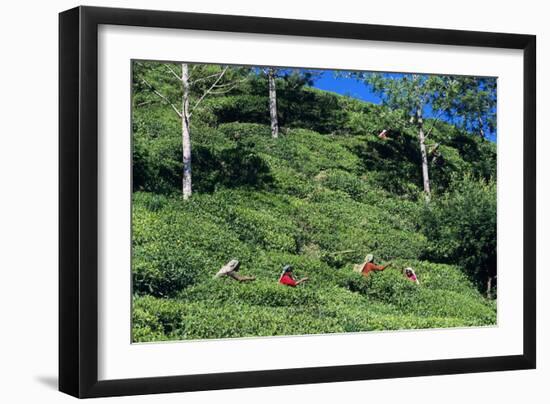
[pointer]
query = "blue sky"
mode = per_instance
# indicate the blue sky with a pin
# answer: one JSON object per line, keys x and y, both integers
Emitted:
{"x": 345, "y": 86}
{"x": 353, "y": 88}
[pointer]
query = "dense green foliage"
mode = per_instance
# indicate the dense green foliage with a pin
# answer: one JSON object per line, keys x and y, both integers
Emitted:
{"x": 320, "y": 197}
{"x": 463, "y": 224}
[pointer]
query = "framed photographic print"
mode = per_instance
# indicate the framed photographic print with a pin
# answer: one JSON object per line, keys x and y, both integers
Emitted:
{"x": 250, "y": 201}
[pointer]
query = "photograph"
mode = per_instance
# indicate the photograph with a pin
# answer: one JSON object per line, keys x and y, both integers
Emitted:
{"x": 276, "y": 201}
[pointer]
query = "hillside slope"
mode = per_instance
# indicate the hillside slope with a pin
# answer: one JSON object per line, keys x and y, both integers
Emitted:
{"x": 319, "y": 202}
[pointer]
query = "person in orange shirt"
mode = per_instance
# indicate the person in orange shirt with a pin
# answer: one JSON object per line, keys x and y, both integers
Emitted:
{"x": 370, "y": 266}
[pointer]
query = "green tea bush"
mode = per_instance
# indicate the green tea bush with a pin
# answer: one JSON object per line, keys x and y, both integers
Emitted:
{"x": 392, "y": 287}
{"x": 287, "y": 179}
{"x": 146, "y": 326}
{"x": 370, "y": 119}
{"x": 272, "y": 232}
{"x": 238, "y": 130}
{"x": 340, "y": 224}
{"x": 262, "y": 292}
{"x": 309, "y": 152}
{"x": 239, "y": 108}
{"x": 441, "y": 276}
{"x": 344, "y": 181}
{"x": 311, "y": 109}
{"x": 167, "y": 316}
{"x": 157, "y": 164}
{"x": 202, "y": 319}
{"x": 173, "y": 247}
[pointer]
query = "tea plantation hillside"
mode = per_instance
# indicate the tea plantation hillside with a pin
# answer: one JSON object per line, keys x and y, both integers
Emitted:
{"x": 320, "y": 197}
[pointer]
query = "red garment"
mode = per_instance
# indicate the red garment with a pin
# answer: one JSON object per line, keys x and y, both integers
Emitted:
{"x": 369, "y": 266}
{"x": 286, "y": 279}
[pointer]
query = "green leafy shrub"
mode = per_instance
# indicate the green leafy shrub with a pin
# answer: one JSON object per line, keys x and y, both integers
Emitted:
{"x": 461, "y": 227}
{"x": 262, "y": 293}
{"x": 239, "y": 108}
{"x": 239, "y": 130}
{"x": 173, "y": 246}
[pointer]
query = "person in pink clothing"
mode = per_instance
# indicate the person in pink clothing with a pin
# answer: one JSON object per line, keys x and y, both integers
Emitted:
{"x": 409, "y": 273}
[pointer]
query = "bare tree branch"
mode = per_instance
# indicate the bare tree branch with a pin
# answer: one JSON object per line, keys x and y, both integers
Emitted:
{"x": 435, "y": 120}
{"x": 232, "y": 83}
{"x": 208, "y": 91}
{"x": 223, "y": 88}
{"x": 162, "y": 96}
{"x": 207, "y": 77}
{"x": 142, "y": 104}
{"x": 218, "y": 92}
{"x": 401, "y": 124}
{"x": 173, "y": 72}
{"x": 433, "y": 148}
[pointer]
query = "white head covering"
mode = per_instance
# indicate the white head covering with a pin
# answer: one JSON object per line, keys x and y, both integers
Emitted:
{"x": 231, "y": 266}
{"x": 286, "y": 269}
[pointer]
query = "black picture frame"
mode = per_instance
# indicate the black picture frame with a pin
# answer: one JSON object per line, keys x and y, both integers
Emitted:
{"x": 78, "y": 201}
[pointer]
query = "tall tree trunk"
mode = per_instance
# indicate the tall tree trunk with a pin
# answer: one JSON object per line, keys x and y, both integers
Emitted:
{"x": 185, "y": 133}
{"x": 273, "y": 103}
{"x": 423, "y": 152}
{"x": 481, "y": 131}
{"x": 489, "y": 286}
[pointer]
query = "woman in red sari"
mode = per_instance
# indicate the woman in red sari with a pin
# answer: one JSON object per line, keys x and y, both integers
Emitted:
{"x": 287, "y": 278}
